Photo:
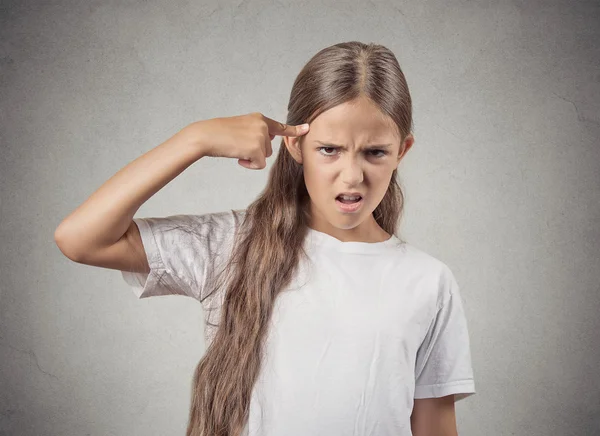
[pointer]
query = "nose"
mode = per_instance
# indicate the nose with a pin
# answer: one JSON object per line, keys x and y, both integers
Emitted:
{"x": 352, "y": 173}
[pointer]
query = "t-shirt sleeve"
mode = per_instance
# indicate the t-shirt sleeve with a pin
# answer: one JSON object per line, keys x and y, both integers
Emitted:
{"x": 183, "y": 253}
{"x": 443, "y": 364}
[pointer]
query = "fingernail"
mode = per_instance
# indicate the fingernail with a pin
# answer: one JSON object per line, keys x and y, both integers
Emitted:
{"x": 303, "y": 127}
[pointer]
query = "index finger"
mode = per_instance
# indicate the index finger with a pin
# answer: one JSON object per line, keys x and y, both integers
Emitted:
{"x": 277, "y": 128}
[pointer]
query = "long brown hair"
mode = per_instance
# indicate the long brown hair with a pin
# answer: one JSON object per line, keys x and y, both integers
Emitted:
{"x": 269, "y": 242}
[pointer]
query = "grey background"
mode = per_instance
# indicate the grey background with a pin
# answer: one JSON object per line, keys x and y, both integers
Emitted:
{"x": 502, "y": 184}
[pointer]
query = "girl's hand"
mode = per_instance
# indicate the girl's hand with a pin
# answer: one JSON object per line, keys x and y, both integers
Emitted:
{"x": 245, "y": 137}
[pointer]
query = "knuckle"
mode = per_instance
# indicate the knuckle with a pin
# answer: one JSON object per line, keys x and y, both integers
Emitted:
{"x": 257, "y": 145}
{"x": 260, "y": 125}
{"x": 265, "y": 130}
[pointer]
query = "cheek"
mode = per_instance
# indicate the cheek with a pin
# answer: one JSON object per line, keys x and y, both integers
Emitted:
{"x": 382, "y": 178}
{"x": 318, "y": 179}
{"x": 379, "y": 181}
{"x": 319, "y": 186}
{"x": 315, "y": 186}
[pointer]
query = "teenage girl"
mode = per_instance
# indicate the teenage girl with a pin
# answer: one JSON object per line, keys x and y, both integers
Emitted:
{"x": 320, "y": 319}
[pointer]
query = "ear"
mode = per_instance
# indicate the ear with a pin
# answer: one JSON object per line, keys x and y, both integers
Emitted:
{"x": 405, "y": 146}
{"x": 292, "y": 143}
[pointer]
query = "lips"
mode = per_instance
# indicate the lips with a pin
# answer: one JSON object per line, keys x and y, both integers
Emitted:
{"x": 349, "y": 196}
{"x": 348, "y": 206}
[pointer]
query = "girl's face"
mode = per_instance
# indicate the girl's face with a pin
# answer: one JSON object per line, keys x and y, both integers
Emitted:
{"x": 351, "y": 148}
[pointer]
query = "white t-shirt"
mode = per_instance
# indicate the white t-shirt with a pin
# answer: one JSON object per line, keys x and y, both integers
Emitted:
{"x": 362, "y": 330}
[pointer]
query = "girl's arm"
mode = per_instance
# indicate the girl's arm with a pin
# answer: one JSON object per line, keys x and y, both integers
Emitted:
{"x": 434, "y": 417}
{"x": 101, "y": 231}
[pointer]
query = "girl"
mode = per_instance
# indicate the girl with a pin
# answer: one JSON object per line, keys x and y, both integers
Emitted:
{"x": 321, "y": 320}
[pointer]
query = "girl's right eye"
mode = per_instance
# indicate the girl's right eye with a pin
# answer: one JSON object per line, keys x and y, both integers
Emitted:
{"x": 326, "y": 148}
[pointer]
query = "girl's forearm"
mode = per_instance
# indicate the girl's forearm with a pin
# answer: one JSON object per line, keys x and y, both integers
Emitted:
{"x": 106, "y": 215}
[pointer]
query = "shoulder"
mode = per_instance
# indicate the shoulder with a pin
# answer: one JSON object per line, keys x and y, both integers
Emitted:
{"x": 424, "y": 262}
{"x": 221, "y": 223}
{"x": 207, "y": 232}
{"x": 219, "y": 219}
{"x": 431, "y": 271}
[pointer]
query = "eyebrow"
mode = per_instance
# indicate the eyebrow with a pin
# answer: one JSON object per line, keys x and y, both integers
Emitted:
{"x": 341, "y": 146}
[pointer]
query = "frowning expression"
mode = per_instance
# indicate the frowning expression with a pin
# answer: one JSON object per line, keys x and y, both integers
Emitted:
{"x": 351, "y": 148}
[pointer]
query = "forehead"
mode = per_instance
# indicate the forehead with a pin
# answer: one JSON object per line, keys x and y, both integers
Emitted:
{"x": 353, "y": 121}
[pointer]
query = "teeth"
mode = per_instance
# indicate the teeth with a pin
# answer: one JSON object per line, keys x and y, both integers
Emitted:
{"x": 345, "y": 197}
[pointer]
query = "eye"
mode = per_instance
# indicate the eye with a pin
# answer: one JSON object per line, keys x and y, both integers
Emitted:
{"x": 326, "y": 148}
{"x": 373, "y": 152}
{"x": 383, "y": 152}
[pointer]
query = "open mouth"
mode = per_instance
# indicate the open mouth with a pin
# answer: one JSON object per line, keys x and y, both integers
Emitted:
{"x": 348, "y": 204}
{"x": 348, "y": 200}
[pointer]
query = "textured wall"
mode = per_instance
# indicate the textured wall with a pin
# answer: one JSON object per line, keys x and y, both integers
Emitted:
{"x": 502, "y": 184}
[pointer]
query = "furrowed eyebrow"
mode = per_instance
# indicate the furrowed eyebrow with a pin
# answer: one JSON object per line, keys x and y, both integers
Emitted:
{"x": 341, "y": 146}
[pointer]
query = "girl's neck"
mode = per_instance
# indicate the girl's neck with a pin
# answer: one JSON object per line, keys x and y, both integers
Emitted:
{"x": 367, "y": 231}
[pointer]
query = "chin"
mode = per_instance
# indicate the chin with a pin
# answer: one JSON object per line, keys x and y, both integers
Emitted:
{"x": 348, "y": 221}
{"x": 341, "y": 220}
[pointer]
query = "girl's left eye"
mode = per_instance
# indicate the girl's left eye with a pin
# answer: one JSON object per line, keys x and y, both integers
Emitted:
{"x": 375, "y": 152}
{"x": 383, "y": 152}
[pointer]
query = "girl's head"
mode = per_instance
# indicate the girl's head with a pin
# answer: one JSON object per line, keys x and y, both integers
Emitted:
{"x": 351, "y": 148}
{"x": 355, "y": 96}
